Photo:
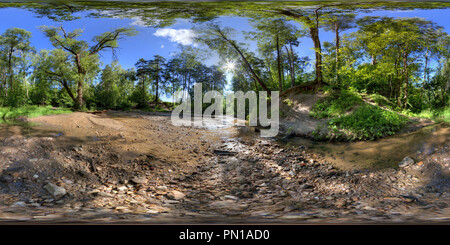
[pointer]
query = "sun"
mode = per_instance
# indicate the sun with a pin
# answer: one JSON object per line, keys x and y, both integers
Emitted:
{"x": 230, "y": 65}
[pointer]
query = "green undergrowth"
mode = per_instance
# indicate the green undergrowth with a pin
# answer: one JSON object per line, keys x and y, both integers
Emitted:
{"x": 381, "y": 101}
{"x": 335, "y": 104}
{"x": 435, "y": 115}
{"x": 350, "y": 118}
{"x": 12, "y": 113}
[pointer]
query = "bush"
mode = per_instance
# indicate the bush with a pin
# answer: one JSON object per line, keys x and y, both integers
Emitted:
{"x": 382, "y": 101}
{"x": 367, "y": 122}
{"x": 336, "y": 104}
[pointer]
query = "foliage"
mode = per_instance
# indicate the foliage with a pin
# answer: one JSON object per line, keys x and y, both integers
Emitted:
{"x": 30, "y": 111}
{"x": 367, "y": 122}
{"x": 336, "y": 104}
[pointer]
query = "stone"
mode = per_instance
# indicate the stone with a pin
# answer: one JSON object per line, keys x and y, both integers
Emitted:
{"x": 104, "y": 194}
{"x": 55, "y": 190}
{"x": 230, "y": 197}
{"x": 139, "y": 180}
{"x": 19, "y": 204}
{"x": 407, "y": 161}
{"x": 175, "y": 195}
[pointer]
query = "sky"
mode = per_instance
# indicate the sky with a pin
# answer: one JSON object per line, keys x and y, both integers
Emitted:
{"x": 165, "y": 42}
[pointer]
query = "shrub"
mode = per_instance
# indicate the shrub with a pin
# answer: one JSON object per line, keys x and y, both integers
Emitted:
{"x": 336, "y": 104}
{"x": 367, "y": 122}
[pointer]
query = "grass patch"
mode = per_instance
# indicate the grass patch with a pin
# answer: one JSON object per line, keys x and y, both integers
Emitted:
{"x": 337, "y": 103}
{"x": 380, "y": 100}
{"x": 367, "y": 122}
{"x": 435, "y": 115}
{"x": 30, "y": 111}
{"x": 157, "y": 108}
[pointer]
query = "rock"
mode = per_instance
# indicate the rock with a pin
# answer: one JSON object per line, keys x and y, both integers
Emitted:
{"x": 161, "y": 187}
{"x": 306, "y": 186}
{"x": 230, "y": 197}
{"x": 104, "y": 194}
{"x": 55, "y": 190}
{"x": 407, "y": 161}
{"x": 19, "y": 204}
{"x": 228, "y": 204}
{"x": 175, "y": 195}
{"x": 139, "y": 180}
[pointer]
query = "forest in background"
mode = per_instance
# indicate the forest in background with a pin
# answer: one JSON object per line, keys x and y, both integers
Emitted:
{"x": 386, "y": 58}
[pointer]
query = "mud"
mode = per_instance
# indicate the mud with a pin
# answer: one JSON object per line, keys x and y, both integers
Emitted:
{"x": 120, "y": 167}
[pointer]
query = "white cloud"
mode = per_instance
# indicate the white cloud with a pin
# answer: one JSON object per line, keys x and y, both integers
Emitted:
{"x": 182, "y": 36}
{"x": 162, "y": 46}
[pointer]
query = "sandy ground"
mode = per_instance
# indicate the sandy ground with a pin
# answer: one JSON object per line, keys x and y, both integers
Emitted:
{"x": 137, "y": 167}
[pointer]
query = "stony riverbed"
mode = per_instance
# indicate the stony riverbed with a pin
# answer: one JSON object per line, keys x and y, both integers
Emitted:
{"x": 137, "y": 167}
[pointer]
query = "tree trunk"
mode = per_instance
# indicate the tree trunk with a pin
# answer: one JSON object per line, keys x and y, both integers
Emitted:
{"x": 64, "y": 83}
{"x": 425, "y": 67}
{"x": 318, "y": 52}
{"x": 314, "y": 31}
{"x": 290, "y": 55}
{"x": 280, "y": 82}
{"x": 10, "y": 69}
{"x": 80, "y": 83}
{"x": 337, "y": 51}
{"x": 292, "y": 65}
{"x": 157, "y": 88}
{"x": 405, "y": 72}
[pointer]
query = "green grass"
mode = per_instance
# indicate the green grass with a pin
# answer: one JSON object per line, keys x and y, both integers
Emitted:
{"x": 350, "y": 118}
{"x": 435, "y": 115}
{"x": 367, "y": 122}
{"x": 30, "y": 111}
{"x": 157, "y": 108}
{"x": 337, "y": 103}
{"x": 381, "y": 101}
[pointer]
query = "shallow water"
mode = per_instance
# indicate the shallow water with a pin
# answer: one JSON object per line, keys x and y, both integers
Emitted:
{"x": 383, "y": 153}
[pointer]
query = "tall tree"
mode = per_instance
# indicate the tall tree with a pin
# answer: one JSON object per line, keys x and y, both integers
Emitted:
{"x": 157, "y": 66}
{"x": 338, "y": 23}
{"x": 218, "y": 39}
{"x": 80, "y": 50}
{"x": 14, "y": 46}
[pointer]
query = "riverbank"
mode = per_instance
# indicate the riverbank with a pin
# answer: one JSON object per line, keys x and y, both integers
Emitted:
{"x": 21, "y": 113}
{"x": 331, "y": 114}
{"x": 137, "y": 167}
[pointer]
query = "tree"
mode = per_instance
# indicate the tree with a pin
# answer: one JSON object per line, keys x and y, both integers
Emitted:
{"x": 338, "y": 23}
{"x": 156, "y": 68}
{"x": 272, "y": 35}
{"x": 218, "y": 39}
{"x": 108, "y": 93}
{"x": 55, "y": 66}
{"x": 82, "y": 54}
{"x": 14, "y": 47}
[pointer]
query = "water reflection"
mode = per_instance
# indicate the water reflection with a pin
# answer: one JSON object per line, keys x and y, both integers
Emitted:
{"x": 379, "y": 154}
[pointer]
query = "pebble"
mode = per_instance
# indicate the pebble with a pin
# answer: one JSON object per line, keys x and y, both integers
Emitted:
{"x": 139, "y": 180}
{"x": 407, "y": 161}
{"x": 230, "y": 197}
{"x": 175, "y": 195}
{"x": 55, "y": 190}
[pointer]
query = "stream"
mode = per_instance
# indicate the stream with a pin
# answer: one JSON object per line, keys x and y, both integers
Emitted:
{"x": 379, "y": 154}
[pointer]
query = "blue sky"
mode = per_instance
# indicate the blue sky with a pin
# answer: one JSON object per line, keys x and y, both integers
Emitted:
{"x": 146, "y": 44}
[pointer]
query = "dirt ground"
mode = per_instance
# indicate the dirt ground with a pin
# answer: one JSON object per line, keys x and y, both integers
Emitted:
{"x": 137, "y": 167}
